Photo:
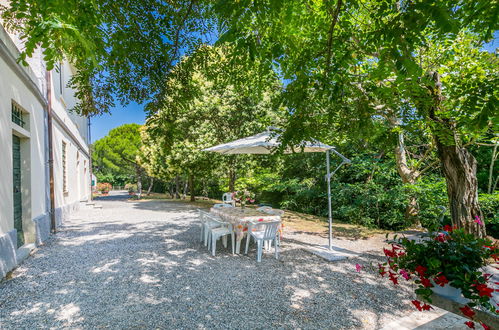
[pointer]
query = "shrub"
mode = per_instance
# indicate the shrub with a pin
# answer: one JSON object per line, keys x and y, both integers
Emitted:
{"x": 431, "y": 193}
{"x": 104, "y": 187}
{"x": 489, "y": 203}
{"x": 131, "y": 187}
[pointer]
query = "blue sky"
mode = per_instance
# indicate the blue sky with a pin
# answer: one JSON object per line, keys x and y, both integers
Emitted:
{"x": 101, "y": 125}
{"x": 134, "y": 113}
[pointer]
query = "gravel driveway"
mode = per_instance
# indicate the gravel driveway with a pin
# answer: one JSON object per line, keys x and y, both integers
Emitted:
{"x": 140, "y": 265}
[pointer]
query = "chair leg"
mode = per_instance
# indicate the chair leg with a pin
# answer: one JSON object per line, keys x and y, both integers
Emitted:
{"x": 259, "y": 250}
{"x": 224, "y": 241}
{"x": 248, "y": 237}
{"x": 238, "y": 246}
{"x": 213, "y": 245}
{"x": 276, "y": 247}
{"x": 206, "y": 236}
{"x": 232, "y": 239}
{"x": 202, "y": 233}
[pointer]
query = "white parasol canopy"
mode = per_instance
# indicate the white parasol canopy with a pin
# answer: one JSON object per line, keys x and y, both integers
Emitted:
{"x": 265, "y": 143}
{"x": 268, "y": 141}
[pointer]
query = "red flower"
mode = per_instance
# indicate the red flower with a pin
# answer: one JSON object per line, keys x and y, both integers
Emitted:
{"x": 470, "y": 324}
{"x": 467, "y": 311}
{"x": 441, "y": 238}
{"x": 393, "y": 278}
{"x": 426, "y": 282}
{"x": 388, "y": 253}
{"x": 421, "y": 270}
{"x": 417, "y": 303}
{"x": 441, "y": 280}
{"x": 260, "y": 219}
{"x": 484, "y": 290}
{"x": 426, "y": 307}
{"x": 486, "y": 327}
{"x": 448, "y": 228}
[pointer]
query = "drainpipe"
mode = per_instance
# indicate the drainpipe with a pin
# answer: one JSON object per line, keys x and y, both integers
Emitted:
{"x": 51, "y": 152}
{"x": 90, "y": 171}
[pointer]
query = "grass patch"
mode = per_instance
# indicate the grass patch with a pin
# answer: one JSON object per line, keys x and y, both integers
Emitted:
{"x": 312, "y": 224}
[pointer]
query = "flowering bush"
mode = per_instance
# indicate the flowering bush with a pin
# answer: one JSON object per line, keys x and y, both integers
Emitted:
{"x": 104, "y": 187}
{"x": 243, "y": 197}
{"x": 451, "y": 257}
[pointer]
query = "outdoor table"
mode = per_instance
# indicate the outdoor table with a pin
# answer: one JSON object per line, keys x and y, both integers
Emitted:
{"x": 240, "y": 218}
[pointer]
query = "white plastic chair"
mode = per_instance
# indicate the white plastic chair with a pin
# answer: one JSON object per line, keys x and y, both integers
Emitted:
{"x": 206, "y": 225}
{"x": 222, "y": 205}
{"x": 274, "y": 212}
{"x": 222, "y": 230}
{"x": 263, "y": 232}
{"x": 227, "y": 198}
{"x": 264, "y": 209}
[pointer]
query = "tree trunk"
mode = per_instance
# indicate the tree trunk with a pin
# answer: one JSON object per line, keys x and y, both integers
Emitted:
{"x": 191, "y": 187}
{"x": 409, "y": 176}
{"x": 150, "y": 186}
{"x": 491, "y": 169}
{"x": 139, "y": 180}
{"x": 459, "y": 167}
{"x": 177, "y": 187}
{"x": 184, "y": 192}
{"x": 171, "y": 189}
{"x": 232, "y": 179}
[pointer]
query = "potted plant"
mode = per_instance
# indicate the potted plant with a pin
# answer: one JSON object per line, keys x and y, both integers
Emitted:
{"x": 104, "y": 188}
{"x": 132, "y": 188}
{"x": 244, "y": 197}
{"x": 448, "y": 262}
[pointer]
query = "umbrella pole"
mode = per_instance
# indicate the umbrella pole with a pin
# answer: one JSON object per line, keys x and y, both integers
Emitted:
{"x": 329, "y": 201}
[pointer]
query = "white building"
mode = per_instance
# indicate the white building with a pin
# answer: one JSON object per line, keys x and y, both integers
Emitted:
{"x": 25, "y": 198}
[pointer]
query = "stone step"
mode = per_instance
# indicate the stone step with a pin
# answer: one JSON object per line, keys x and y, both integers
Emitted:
{"x": 23, "y": 252}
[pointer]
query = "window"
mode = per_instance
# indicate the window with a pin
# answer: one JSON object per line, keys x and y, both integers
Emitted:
{"x": 64, "y": 168}
{"x": 18, "y": 115}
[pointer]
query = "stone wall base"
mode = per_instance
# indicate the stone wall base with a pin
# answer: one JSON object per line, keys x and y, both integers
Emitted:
{"x": 9, "y": 253}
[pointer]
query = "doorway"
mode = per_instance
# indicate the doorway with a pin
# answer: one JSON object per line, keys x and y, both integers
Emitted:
{"x": 17, "y": 191}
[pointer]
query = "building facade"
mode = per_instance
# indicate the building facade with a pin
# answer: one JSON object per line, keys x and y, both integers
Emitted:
{"x": 25, "y": 195}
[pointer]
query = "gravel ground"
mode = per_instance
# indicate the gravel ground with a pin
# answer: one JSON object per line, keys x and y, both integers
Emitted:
{"x": 140, "y": 265}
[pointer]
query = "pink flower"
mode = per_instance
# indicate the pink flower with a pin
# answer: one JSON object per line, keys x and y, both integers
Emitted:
{"x": 477, "y": 220}
{"x": 358, "y": 268}
{"x": 405, "y": 274}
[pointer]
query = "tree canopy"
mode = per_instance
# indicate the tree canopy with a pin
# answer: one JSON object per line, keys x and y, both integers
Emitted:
{"x": 342, "y": 71}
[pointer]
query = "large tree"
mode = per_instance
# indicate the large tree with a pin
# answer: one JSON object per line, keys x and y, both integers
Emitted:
{"x": 118, "y": 152}
{"x": 369, "y": 57}
{"x": 210, "y": 100}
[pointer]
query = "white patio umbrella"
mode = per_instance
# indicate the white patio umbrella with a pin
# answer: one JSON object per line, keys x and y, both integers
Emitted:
{"x": 268, "y": 142}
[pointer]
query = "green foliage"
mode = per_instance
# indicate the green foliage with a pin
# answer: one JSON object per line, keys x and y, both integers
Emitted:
{"x": 117, "y": 152}
{"x": 431, "y": 195}
{"x": 114, "y": 179}
{"x": 204, "y": 107}
{"x": 121, "y": 49}
{"x": 489, "y": 203}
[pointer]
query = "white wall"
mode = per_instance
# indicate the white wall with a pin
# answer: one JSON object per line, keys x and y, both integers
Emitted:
{"x": 66, "y": 127}
{"x": 13, "y": 88}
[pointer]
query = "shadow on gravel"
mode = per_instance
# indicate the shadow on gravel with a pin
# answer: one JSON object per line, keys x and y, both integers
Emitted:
{"x": 143, "y": 273}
